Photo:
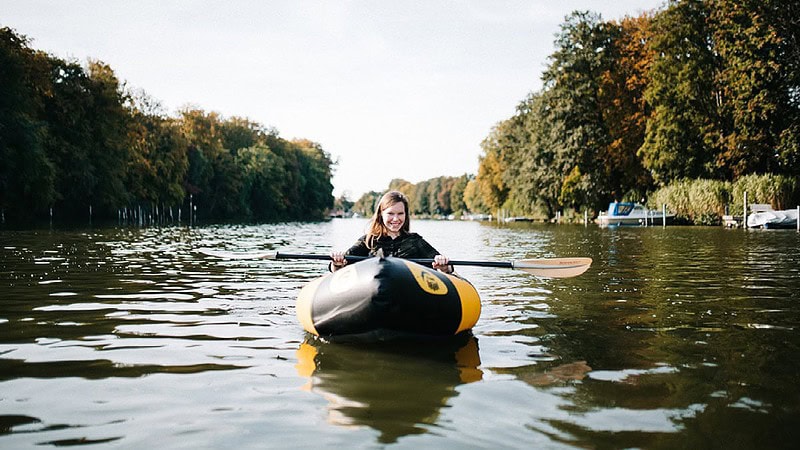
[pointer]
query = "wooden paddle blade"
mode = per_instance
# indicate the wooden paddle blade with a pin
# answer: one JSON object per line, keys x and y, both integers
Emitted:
{"x": 554, "y": 267}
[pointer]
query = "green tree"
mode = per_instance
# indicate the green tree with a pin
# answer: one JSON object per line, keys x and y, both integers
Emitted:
{"x": 213, "y": 176}
{"x": 537, "y": 185}
{"x": 583, "y": 53}
{"x": 755, "y": 81}
{"x": 366, "y": 204}
{"x": 27, "y": 175}
{"x": 316, "y": 190}
{"x": 457, "y": 193}
{"x": 681, "y": 135}
{"x": 159, "y": 161}
{"x": 108, "y": 148}
{"x": 263, "y": 182}
{"x": 67, "y": 112}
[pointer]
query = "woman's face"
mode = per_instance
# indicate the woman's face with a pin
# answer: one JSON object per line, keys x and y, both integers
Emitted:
{"x": 393, "y": 218}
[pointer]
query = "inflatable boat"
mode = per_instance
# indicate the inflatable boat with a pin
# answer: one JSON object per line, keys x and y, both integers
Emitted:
{"x": 388, "y": 295}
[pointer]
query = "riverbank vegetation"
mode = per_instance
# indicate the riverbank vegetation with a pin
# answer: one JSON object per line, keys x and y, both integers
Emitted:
{"x": 434, "y": 198}
{"x": 703, "y": 90}
{"x": 77, "y": 143}
{"x": 690, "y": 106}
{"x": 706, "y": 201}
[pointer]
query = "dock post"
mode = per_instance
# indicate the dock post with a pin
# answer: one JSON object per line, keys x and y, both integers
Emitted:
{"x": 664, "y": 215}
{"x": 797, "y": 222}
{"x": 744, "y": 211}
{"x": 586, "y": 217}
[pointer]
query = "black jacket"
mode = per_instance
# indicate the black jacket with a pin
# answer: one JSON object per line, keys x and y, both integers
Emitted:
{"x": 407, "y": 245}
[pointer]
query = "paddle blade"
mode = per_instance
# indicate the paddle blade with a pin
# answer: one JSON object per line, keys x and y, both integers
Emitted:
{"x": 554, "y": 267}
{"x": 238, "y": 255}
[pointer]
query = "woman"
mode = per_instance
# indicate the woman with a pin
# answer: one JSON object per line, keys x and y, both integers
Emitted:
{"x": 389, "y": 231}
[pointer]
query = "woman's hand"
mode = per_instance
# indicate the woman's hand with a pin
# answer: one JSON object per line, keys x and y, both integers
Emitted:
{"x": 337, "y": 261}
{"x": 442, "y": 264}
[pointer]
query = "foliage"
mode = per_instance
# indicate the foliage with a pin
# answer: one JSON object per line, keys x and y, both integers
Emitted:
{"x": 700, "y": 201}
{"x": 679, "y": 141}
{"x": 705, "y": 201}
{"x": 366, "y": 204}
{"x": 757, "y": 56}
{"x": 74, "y": 140}
{"x": 435, "y": 197}
{"x": 27, "y": 176}
{"x": 701, "y": 89}
{"x": 779, "y": 191}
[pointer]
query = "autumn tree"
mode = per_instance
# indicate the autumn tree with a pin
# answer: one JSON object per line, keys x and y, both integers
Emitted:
{"x": 757, "y": 54}
{"x": 624, "y": 110}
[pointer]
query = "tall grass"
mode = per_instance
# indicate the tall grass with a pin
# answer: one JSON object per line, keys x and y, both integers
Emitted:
{"x": 704, "y": 202}
{"x": 781, "y": 192}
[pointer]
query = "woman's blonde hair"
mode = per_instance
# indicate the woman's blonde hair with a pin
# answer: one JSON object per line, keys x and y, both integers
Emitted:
{"x": 376, "y": 226}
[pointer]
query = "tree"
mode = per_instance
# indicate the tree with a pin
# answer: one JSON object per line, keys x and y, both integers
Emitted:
{"x": 622, "y": 102}
{"x": 495, "y": 165}
{"x": 213, "y": 176}
{"x": 366, "y": 204}
{"x": 263, "y": 181}
{"x": 583, "y": 53}
{"x": 751, "y": 41}
{"x": 315, "y": 172}
{"x": 473, "y": 200}
{"x": 108, "y": 148}
{"x": 457, "y": 193}
{"x": 681, "y": 135}
{"x": 27, "y": 175}
{"x": 538, "y": 183}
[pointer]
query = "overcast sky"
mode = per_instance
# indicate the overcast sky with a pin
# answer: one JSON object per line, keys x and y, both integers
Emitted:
{"x": 391, "y": 89}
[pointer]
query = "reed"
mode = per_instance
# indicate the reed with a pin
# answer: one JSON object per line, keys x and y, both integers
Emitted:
{"x": 700, "y": 202}
{"x": 779, "y": 191}
{"x": 704, "y": 202}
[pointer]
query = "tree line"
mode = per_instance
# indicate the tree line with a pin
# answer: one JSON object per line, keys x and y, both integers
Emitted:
{"x": 75, "y": 141}
{"x": 438, "y": 197}
{"x": 701, "y": 89}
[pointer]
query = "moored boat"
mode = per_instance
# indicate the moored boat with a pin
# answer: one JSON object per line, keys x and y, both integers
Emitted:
{"x": 773, "y": 219}
{"x": 631, "y": 214}
{"x": 388, "y": 295}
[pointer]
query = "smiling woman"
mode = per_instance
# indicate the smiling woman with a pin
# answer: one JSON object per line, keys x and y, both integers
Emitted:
{"x": 389, "y": 232}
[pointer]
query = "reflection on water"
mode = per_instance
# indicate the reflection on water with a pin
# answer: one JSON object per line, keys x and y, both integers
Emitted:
{"x": 397, "y": 388}
{"x": 679, "y": 337}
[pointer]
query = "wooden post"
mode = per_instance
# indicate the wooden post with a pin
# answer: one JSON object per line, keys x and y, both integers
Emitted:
{"x": 664, "y": 215}
{"x": 744, "y": 211}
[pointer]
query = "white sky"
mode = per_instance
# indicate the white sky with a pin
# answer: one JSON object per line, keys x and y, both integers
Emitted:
{"x": 391, "y": 89}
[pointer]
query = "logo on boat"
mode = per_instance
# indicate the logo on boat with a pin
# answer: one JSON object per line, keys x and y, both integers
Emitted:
{"x": 427, "y": 279}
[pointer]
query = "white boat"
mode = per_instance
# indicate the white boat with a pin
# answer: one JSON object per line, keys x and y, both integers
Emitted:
{"x": 767, "y": 218}
{"x": 631, "y": 214}
{"x": 517, "y": 219}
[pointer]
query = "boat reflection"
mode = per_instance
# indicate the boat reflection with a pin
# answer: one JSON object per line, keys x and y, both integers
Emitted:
{"x": 395, "y": 388}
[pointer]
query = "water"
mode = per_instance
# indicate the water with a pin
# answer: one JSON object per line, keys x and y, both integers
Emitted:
{"x": 681, "y": 337}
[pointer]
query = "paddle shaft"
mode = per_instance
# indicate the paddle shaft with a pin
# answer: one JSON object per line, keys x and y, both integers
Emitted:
{"x": 427, "y": 261}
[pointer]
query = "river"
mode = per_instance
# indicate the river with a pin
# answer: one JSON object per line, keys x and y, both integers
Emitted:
{"x": 678, "y": 337}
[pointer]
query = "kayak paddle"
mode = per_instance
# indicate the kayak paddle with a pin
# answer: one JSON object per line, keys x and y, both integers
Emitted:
{"x": 546, "y": 267}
